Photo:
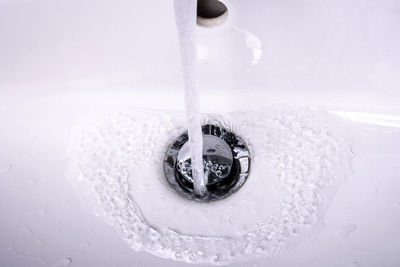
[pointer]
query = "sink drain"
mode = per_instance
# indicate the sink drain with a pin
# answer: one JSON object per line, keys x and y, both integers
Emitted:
{"x": 211, "y": 13}
{"x": 226, "y": 162}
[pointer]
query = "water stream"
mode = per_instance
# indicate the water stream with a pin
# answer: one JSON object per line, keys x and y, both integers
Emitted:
{"x": 185, "y": 15}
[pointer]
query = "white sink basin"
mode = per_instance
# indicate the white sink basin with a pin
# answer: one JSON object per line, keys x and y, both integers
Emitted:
{"x": 61, "y": 61}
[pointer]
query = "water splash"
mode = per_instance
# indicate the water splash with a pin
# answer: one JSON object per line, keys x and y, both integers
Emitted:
{"x": 304, "y": 147}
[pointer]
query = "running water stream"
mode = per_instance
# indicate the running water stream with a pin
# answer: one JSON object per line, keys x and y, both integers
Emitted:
{"x": 185, "y": 16}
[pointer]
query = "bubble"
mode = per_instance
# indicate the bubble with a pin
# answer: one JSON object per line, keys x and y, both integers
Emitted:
{"x": 214, "y": 168}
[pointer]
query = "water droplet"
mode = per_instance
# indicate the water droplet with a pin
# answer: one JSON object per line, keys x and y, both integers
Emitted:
{"x": 154, "y": 235}
{"x": 27, "y": 231}
{"x": 178, "y": 255}
{"x": 16, "y": 252}
{"x": 347, "y": 230}
{"x": 39, "y": 242}
{"x": 85, "y": 245}
{"x": 6, "y": 169}
{"x": 64, "y": 262}
{"x": 42, "y": 261}
{"x": 42, "y": 211}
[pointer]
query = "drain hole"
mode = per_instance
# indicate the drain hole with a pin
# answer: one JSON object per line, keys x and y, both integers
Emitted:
{"x": 227, "y": 166}
{"x": 211, "y": 13}
{"x": 210, "y": 9}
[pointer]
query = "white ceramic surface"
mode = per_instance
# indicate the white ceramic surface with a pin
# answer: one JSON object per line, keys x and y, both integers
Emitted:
{"x": 64, "y": 60}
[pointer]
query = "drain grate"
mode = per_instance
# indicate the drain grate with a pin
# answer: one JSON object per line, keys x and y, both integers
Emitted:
{"x": 226, "y": 162}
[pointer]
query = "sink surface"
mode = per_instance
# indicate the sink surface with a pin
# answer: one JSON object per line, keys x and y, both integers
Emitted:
{"x": 62, "y": 62}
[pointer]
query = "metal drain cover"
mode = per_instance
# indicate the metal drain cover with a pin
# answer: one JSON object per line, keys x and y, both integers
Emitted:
{"x": 226, "y": 162}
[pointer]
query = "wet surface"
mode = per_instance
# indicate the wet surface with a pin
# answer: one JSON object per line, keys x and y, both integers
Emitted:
{"x": 305, "y": 150}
